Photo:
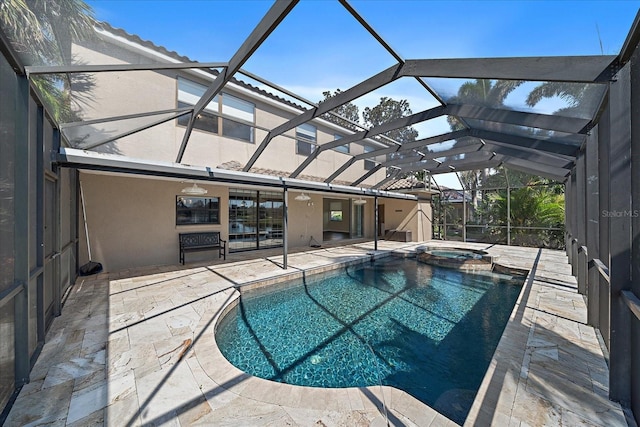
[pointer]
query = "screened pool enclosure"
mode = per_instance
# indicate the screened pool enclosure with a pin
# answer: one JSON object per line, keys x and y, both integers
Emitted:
{"x": 561, "y": 174}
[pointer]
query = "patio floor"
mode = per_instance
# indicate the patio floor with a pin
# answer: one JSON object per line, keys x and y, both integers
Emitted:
{"x": 138, "y": 348}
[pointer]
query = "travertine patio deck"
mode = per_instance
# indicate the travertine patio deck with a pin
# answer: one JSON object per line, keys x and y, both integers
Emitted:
{"x": 137, "y": 348}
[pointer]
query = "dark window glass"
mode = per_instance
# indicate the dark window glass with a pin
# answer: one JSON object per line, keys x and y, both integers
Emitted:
{"x": 237, "y": 130}
{"x": 369, "y": 164}
{"x": 341, "y": 148}
{"x": 197, "y": 210}
{"x": 304, "y": 148}
{"x": 205, "y": 121}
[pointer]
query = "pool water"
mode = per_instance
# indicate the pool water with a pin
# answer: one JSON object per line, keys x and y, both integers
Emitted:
{"x": 427, "y": 330}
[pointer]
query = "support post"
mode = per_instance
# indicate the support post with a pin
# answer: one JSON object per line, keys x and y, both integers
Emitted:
{"x": 592, "y": 226}
{"x": 285, "y": 226}
{"x": 464, "y": 215}
{"x": 620, "y": 235}
{"x": 375, "y": 232}
{"x": 574, "y": 222}
{"x": 21, "y": 232}
{"x": 581, "y": 216}
{"x": 508, "y": 216}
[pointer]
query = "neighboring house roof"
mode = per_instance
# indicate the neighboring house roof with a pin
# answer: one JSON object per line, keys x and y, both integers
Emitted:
{"x": 455, "y": 196}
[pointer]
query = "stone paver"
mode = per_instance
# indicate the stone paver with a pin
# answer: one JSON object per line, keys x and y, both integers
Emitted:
{"x": 137, "y": 348}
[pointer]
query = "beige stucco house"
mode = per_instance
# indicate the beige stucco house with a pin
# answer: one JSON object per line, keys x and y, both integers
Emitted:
{"x": 134, "y": 220}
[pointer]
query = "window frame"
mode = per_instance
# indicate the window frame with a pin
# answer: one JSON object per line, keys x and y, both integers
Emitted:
{"x": 188, "y": 90}
{"x": 192, "y": 210}
{"x": 369, "y": 164}
{"x": 345, "y": 149}
{"x": 303, "y": 138}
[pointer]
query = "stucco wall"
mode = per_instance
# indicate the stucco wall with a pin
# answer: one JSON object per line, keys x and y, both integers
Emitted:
{"x": 409, "y": 215}
{"x": 119, "y": 93}
{"x": 131, "y": 220}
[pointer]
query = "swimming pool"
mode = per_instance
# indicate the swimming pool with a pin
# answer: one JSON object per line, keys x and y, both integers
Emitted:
{"x": 427, "y": 330}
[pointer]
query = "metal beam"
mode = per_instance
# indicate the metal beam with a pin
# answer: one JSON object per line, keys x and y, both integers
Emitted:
{"x": 369, "y": 85}
{"x": 376, "y": 130}
{"x": 540, "y": 121}
{"x": 467, "y": 166}
{"x": 129, "y": 132}
{"x": 631, "y": 42}
{"x": 375, "y": 169}
{"x": 124, "y": 117}
{"x": 573, "y": 69}
{"x": 340, "y": 170}
{"x": 536, "y": 169}
{"x": 530, "y": 155}
{"x": 405, "y": 147}
{"x": 278, "y": 11}
{"x": 534, "y": 120}
{"x": 420, "y": 143}
{"x": 7, "y": 50}
{"x": 549, "y": 146}
{"x": 384, "y": 181}
{"x": 34, "y": 70}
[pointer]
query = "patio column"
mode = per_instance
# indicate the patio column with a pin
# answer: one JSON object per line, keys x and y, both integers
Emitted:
{"x": 375, "y": 231}
{"x": 620, "y": 236}
{"x": 285, "y": 226}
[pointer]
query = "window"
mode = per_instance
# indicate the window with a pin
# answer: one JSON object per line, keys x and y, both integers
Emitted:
{"x": 241, "y": 110}
{"x": 225, "y": 115}
{"x": 205, "y": 121}
{"x": 305, "y": 139}
{"x": 197, "y": 210}
{"x": 369, "y": 164}
{"x": 341, "y": 148}
{"x": 335, "y": 211}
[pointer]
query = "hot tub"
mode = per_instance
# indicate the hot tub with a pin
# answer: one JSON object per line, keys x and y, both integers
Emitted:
{"x": 462, "y": 259}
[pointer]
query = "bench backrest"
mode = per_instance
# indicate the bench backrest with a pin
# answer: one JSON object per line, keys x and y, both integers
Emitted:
{"x": 192, "y": 240}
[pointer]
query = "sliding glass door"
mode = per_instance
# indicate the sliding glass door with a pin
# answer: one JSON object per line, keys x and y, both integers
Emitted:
{"x": 255, "y": 219}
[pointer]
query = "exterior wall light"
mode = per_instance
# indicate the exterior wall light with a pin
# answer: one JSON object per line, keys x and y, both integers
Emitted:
{"x": 194, "y": 190}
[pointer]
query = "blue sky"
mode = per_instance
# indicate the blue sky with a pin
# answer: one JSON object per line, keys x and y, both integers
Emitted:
{"x": 320, "y": 42}
{"x": 320, "y": 46}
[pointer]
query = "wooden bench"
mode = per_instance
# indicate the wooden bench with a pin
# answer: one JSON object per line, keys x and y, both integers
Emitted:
{"x": 202, "y": 241}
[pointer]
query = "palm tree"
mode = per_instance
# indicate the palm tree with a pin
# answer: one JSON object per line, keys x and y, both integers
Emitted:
{"x": 579, "y": 97}
{"x": 539, "y": 204}
{"x": 41, "y": 31}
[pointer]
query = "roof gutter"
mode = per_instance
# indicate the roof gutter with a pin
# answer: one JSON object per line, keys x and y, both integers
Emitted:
{"x": 81, "y": 159}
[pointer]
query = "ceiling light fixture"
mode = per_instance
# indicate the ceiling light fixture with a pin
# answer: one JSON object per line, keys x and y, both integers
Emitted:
{"x": 302, "y": 197}
{"x": 359, "y": 201}
{"x": 194, "y": 190}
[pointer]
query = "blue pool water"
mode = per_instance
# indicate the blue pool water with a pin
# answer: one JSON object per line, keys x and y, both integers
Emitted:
{"x": 427, "y": 330}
